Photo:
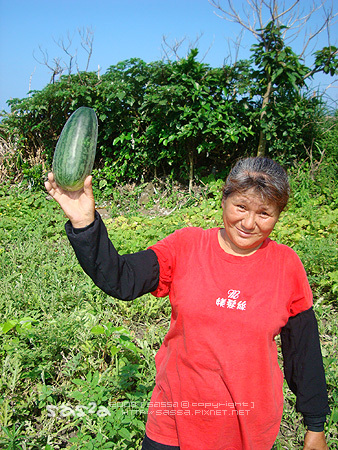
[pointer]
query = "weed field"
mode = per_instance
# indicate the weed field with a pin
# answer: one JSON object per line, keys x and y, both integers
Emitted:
{"x": 77, "y": 367}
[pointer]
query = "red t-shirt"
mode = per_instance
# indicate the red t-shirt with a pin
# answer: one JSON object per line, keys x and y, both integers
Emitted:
{"x": 218, "y": 383}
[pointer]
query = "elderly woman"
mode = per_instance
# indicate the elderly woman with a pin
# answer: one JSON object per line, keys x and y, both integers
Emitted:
{"x": 232, "y": 291}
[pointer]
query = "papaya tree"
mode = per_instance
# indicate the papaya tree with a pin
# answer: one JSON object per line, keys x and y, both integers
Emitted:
{"x": 278, "y": 74}
{"x": 276, "y": 67}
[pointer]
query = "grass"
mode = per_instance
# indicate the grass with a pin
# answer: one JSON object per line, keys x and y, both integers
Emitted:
{"x": 77, "y": 367}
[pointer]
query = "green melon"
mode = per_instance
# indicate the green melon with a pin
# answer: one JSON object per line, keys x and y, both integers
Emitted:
{"x": 75, "y": 150}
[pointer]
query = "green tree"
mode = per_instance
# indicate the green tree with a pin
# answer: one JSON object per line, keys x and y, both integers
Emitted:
{"x": 191, "y": 114}
{"x": 277, "y": 67}
{"x": 121, "y": 96}
{"x": 38, "y": 120}
{"x": 278, "y": 75}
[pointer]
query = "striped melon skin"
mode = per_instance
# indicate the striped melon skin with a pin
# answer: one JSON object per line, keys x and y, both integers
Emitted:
{"x": 75, "y": 150}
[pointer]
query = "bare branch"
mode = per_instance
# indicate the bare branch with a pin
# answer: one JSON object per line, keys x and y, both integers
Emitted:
{"x": 65, "y": 47}
{"x": 233, "y": 15}
{"x": 171, "y": 50}
{"x": 325, "y": 26}
{"x": 87, "y": 38}
{"x": 276, "y": 16}
{"x": 30, "y": 81}
{"x": 195, "y": 44}
{"x": 234, "y": 44}
{"x": 291, "y": 16}
{"x": 45, "y": 58}
{"x": 332, "y": 85}
{"x": 56, "y": 68}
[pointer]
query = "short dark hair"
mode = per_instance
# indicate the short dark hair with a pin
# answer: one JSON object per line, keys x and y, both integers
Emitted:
{"x": 265, "y": 176}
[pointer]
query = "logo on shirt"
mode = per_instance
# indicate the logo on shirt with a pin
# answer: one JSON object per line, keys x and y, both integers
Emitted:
{"x": 232, "y": 301}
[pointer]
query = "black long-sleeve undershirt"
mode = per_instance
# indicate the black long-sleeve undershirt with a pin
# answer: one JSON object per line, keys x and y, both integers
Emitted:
{"x": 127, "y": 277}
{"x": 303, "y": 368}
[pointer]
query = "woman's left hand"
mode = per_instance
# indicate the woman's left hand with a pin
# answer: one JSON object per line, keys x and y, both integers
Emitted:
{"x": 315, "y": 441}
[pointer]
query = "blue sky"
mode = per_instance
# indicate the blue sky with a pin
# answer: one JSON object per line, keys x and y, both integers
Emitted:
{"x": 122, "y": 29}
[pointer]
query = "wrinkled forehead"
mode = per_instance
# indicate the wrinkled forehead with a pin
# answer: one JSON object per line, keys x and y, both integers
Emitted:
{"x": 254, "y": 195}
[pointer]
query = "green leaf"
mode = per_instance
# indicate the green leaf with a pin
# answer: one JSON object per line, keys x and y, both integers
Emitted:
{"x": 130, "y": 346}
{"x": 79, "y": 382}
{"x": 8, "y": 325}
{"x": 123, "y": 432}
{"x": 334, "y": 415}
{"x": 95, "y": 379}
{"x": 120, "y": 95}
{"x": 77, "y": 395}
{"x": 97, "y": 329}
{"x": 113, "y": 350}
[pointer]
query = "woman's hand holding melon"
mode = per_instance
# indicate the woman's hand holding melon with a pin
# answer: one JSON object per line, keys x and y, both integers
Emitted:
{"x": 79, "y": 206}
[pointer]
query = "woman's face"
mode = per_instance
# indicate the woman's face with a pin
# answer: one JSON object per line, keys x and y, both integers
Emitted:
{"x": 248, "y": 221}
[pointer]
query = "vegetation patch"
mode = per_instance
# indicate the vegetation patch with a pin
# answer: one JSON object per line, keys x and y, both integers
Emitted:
{"x": 77, "y": 366}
